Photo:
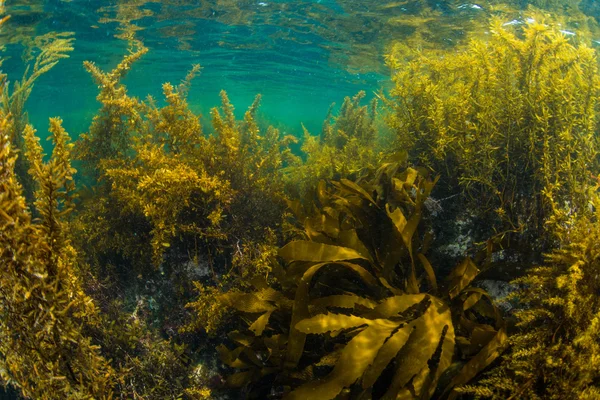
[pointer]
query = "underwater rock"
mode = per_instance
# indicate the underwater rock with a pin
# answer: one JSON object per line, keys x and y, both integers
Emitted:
{"x": 499, "y": 291}
{"x": 461, "y": 239}
{"x": 196, "y": 269}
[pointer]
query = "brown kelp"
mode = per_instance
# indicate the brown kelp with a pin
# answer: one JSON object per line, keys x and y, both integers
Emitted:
{"x": 359, "y": 279}
{"x": 169, "y": 200}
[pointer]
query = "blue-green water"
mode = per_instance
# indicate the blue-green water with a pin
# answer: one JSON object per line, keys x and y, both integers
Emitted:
{"x": 266, "y": 48}
{"x": 300, "y": 55}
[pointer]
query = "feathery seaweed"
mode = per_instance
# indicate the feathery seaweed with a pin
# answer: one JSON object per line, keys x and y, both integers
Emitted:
{"x": 45, "y": 351}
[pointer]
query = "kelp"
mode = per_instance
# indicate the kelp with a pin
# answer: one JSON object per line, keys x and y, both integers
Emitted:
{"x": 45, "y": 313}
{"x": 46, "y": 52}
{"x": 511, "y": 120}
{"x": 251, "y": 157}
{"x": 356, "y": 276}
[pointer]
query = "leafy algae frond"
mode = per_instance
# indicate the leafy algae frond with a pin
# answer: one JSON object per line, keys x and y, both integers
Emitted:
{"x": 358, "y": 285}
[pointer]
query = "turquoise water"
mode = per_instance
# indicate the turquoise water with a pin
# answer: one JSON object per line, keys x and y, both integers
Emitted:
{"x": 269, "y": 49}
{"x": 300, "y": 55}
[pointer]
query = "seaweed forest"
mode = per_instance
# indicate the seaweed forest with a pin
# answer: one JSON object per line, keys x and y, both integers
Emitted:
{"x": 436, "y": 239}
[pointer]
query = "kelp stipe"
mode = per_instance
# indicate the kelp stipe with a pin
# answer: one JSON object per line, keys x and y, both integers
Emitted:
{"x": 45, "y": 313}
{"x": 355, "y": 278}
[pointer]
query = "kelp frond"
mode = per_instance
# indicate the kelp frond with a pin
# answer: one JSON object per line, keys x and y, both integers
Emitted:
{"x": 357, "y": 285}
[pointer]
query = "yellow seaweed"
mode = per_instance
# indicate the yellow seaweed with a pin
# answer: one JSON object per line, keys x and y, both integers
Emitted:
{"x": 511, "y": 120}
{"x": 42, "y": 296}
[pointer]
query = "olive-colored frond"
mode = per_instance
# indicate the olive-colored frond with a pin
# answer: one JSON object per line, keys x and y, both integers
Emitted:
{"x": 53, "y": 179}
{"x": 356, "y": 286}
{"x": 184, "y": 86}
{"x": 324, "y": 323}
{"x": 46, "y": 51}
{"x": 246, "y": 302}
{"x": 41, "y": 292}
{"x": 312, "y": 251}
{"x": 424, "y": 347}
{"x": 103, "y": 79}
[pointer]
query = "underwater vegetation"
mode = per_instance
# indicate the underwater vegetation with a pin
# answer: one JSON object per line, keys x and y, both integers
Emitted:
{"x": 44, "y": 52}
{"x": 357, "y": 278}
{"x": 348, "y": 143}
{"x": 315, "y": 275}
{"x": 155, "y": 166}
{"x": 44, "y": 310}
{"x": 553, "y": 354}
{"x": 511, "y": 121}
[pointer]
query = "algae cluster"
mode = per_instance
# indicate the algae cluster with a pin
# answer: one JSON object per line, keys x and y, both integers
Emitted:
{"x": 314, "y": 275}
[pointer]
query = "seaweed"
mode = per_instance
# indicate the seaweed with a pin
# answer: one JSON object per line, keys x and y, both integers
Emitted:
{"x": 111, "y": 131}
{"x": 45, "y": 313}
{"x": 155, "y": 167}
{"x": 554, "y": 349}
{"x": 356, "y": 276}
{"x": 319, "y": 273}
{"x": 510, "y": 120}
{"x": 48, "y": 49}
{"x": 347, "y": 144}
